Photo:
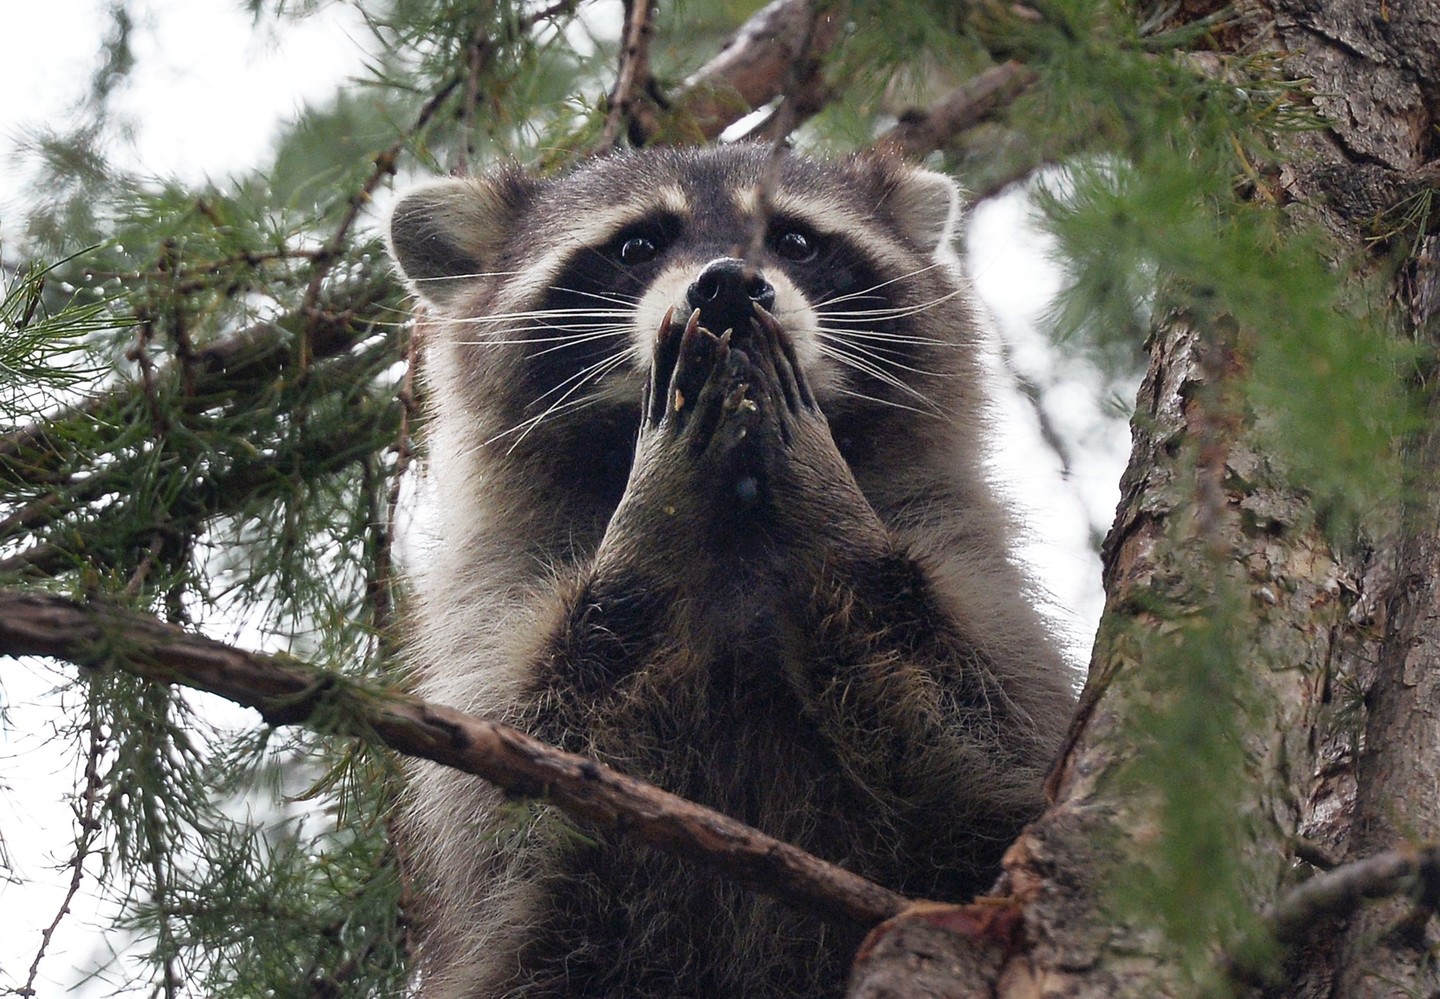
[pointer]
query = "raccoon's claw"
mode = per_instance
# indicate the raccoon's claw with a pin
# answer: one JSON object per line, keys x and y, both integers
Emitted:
{"x": 684, "y": 357}
{"x": 779, "y": 363}
{"x": 655, "y": 397}
{"x": 699, "y": 386}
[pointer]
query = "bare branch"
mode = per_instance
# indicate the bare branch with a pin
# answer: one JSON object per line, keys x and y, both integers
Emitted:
{"x": 752, "y": 69}
{"x": 1337, "y": 892}
{"x": 776, "y": 54}
{"x": 922, "y": 132}
{"x": 634, "y": 73}
{"x": 1309, "y": 910}
{"x": 382, "y": 585}
{"x": 287, "y": 692}
{"x": 89, "y": 824}
{"x": 477, "y": 56}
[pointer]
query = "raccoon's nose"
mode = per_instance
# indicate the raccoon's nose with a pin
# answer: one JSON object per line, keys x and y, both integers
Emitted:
{"x": 724, "y": 293}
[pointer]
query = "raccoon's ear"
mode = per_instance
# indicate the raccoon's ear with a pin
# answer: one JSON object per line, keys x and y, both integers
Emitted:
{"x": 445, "y": 233}
{"x": 927, "y": 206}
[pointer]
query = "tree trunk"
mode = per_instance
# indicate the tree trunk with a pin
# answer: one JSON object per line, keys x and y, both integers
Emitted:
{"x": 1214, "y": 564}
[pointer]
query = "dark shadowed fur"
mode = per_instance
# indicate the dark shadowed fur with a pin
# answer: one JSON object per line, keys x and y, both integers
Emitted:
{"x": 762, "y": 569}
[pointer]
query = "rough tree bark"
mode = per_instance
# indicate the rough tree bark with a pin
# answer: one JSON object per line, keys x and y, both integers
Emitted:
{"x": 1321, "y": 625}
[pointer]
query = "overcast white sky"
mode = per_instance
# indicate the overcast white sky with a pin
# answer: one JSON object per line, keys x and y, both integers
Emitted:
{"x": 210, "y": 92}
{"x": 208, "y": 98}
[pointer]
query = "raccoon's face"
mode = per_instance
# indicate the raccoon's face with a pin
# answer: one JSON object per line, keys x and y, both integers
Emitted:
{"x": 554, "y": 291}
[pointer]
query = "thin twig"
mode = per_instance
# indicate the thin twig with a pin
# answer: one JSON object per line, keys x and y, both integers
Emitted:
{"x": 89, "y": 824}
{"x": 147, "y": 564}
{"x": 1314, "y": 904}
{"x": 159, "y": 418}
{"x": 1033, "y": 394}
{"x": 550, "y": 12}
{"x": 286, "y": 692}
{"x": 140, "y": 354}
{"x": 327, "y": 255}
{"x": 404, "y": 452}
{"x": 477, "y": 54}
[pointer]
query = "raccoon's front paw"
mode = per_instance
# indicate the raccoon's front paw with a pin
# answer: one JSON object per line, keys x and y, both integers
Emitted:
{"x": 811, "y": 486}
{"x": 706, "y": 395}
{"x": 773, "y": 354}
{"x": 698, "y": 474}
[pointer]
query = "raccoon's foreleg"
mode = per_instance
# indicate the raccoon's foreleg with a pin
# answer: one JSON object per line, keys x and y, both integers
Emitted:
{"x": 621, "y": 655}
{"x": 917, "y": 713}
{"x": 736, "y": 472}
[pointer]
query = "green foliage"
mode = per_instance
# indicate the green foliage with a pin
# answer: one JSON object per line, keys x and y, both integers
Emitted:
{"x": 901, "y": 54}
{"x": 239, "y": 890}
{"x": 228, "y": 467}
{"x": 42, "y": 350}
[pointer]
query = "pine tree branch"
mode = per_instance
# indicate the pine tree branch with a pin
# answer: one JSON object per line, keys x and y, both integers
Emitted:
{"x": 327, "y": 447}
{"x": 287, "y": 692}
{"x": 324, "y": 454}
{"x": 257, "y": 353}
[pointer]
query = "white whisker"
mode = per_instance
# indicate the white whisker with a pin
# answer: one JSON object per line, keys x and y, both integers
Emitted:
{"x": 890, "y": 312}
{"x": 580, "y": 334}
{"x": 573, "y": 341}
{"x": 881, "y": 355}
{"x": 842, "y": 333}
{"x": 625, "y": 300}
{"x": 506, "y": 317}
{"x": 875, "y": 371}
{"x": 591, "y": 373}
{"x": 933, "y": 411}
{"x": 470, "y": 274}
{"x": 875, "y": 287}
{"x": 585, "y": 374}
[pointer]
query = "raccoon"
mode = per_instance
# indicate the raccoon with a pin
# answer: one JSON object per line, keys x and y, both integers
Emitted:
{"x": 723, "y": 525}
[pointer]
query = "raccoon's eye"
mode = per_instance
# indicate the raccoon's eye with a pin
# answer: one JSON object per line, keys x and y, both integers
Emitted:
{"x": 793, "y": 244}
{"x": 632, "y": 250}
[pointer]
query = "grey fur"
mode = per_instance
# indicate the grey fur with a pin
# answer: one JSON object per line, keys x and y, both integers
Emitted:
{"x": 802, "y": 612}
